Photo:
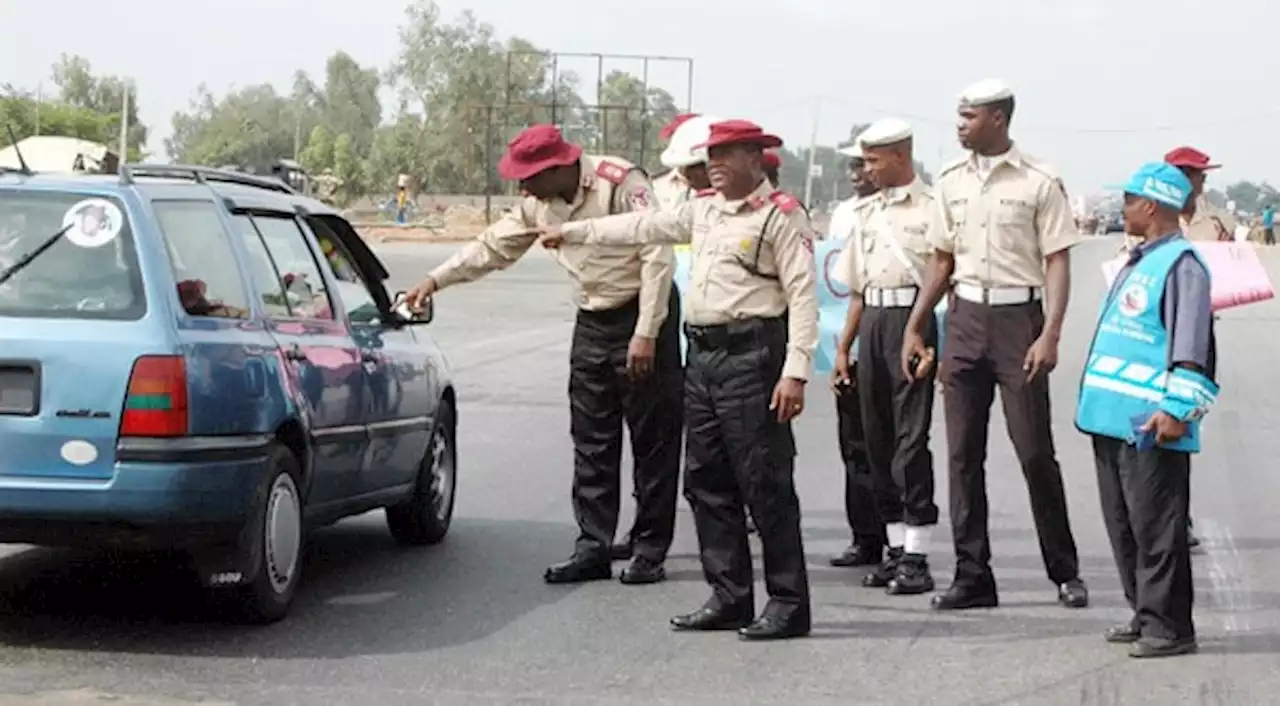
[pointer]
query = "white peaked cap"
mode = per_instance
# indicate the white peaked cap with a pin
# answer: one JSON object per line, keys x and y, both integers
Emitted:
{"x": 692, "y": 133}
{"x": 888, "y": 131}
{"x": 986, "y": 91}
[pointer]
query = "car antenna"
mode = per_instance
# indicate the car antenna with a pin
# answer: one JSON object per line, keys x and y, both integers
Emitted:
{"x": 22, "y": 163}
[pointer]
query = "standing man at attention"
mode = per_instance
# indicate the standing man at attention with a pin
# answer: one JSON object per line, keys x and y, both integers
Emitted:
{"x": 752, "y": 326}
{"x": 865, "y": 525}
{"x": 898, "y": 228}
{"x": 624, "y": 362}
{"x": 1144, "y": 391}
{"x": 1008, "y": 234}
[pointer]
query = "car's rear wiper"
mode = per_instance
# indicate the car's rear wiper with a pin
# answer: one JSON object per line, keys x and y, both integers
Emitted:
{"x": 25, "y": 260}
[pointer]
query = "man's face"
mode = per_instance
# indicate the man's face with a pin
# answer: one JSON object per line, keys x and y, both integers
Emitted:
{"x": 548, "y": 183}
{"x": 1196, "y": 177}
{"x": 977, "y": 125}
{"x": 858, "y": 177}
{"x": 883, "y": 165}
{"x": 1138, "y": 214}
{"x": 732, "y": 164}
{"x": 696, "y": 175}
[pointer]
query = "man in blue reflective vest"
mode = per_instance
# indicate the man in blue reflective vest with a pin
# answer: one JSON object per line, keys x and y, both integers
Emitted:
{"x": 1144, "y": 390}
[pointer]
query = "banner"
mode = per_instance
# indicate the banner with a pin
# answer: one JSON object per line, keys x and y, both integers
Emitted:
{"x": 833, "y": 303}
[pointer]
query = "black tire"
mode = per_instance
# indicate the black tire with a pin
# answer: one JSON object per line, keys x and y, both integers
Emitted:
{"x": 425, "y": 517}
{"x": 273, "y": 543}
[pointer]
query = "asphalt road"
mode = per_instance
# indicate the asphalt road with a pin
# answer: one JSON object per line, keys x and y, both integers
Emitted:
{"x": 470, "y": 621}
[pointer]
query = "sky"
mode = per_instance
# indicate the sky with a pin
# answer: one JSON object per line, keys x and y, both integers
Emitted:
{"x": 1102, "y": 85}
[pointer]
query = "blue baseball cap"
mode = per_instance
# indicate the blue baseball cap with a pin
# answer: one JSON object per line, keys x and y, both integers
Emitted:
{"x": 1159, "y": 182}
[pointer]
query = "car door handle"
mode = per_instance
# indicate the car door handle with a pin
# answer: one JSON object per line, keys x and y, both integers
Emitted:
{"x": 295, "y": 352}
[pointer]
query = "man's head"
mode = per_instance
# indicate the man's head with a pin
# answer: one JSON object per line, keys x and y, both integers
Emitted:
{"x": 857, "y": 169}
{"x": 686, "y": 151}
{"x": 1193, "y": 163}
{"x": 985, "y": 111}
{"x": 771, "y": 163}
{"x": 1153, "y": 198}
{"x": 886, "y": 149}
{"x": 735, "y": 155}
{"x": 543, "y": 162}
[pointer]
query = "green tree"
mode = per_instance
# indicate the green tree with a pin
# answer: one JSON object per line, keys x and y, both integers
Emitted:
{"x": 348, "y": 168}
{"x": 630, "y": 118}
{"x": 250, "y": 127}
{"x": 318, "y": 154}
{"x": 78, "y": 87}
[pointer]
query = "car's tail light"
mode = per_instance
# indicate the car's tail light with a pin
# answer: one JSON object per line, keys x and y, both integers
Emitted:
{"x": 156, "y": 402}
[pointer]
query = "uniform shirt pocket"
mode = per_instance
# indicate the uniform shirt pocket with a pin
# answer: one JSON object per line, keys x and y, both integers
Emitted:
{"x": 1014, "y": 221}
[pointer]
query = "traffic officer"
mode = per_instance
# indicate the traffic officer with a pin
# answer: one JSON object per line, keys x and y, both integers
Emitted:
{"x": 672, "y": 187}
{"x": 686, "y": 159}
{"x": 1200, "y": 220}
{"x": 1007, "y": 245}
{"x": 625, "y": 357}
{"x": 892, "y": 246}
{"x": 869, "y": 539}
{"x": 752, "y": 326}
{"x": 1145, "y": 388}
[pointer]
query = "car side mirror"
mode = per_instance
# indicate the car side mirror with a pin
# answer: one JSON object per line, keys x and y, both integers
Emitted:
{"x": 407, "y": 317}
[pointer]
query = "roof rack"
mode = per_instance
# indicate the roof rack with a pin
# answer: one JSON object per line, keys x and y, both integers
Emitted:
{"x": 201, "y": 175}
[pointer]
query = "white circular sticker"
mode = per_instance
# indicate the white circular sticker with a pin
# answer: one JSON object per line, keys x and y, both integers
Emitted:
{"x": 79, "y": 453}
{"x": 93, "y": 223}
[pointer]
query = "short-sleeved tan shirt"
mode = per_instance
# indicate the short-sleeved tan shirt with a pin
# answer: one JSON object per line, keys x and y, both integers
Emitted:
{"x": 603, "y": 278}
{"x": 908, "y": 216}
{"x": 1002, "y": 216}
{"x": 672, "y": 190}
{"x": 727, "y": 236}
{"x": 1209, "y": 222}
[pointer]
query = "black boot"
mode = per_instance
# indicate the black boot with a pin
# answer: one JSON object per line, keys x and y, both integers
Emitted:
{"x": 912, "y": 577}
{"x": 883, "y": 574}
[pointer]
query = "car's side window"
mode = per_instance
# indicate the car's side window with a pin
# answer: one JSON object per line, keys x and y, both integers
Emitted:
{"x": 304, "y": 286}
{"x": 357, "y": 299}
{"x": 204, "y": 264}
{"x": 262, "y": 270}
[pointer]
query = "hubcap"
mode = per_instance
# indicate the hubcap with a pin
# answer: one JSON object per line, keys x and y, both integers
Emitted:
{"x": 283, "y": 530}
{"x": 442, "y": 475}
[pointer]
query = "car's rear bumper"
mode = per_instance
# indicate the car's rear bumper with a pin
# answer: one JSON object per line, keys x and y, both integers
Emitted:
{"x": 163, "y": 492}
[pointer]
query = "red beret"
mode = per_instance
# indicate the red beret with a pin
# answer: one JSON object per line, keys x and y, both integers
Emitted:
{"x": 536, "y": 149}
{"x": 670, "y": 128}
{"x": 772, "y": 160}
{"x": 740, "y": 132}
{"x": 1189, "y": 157}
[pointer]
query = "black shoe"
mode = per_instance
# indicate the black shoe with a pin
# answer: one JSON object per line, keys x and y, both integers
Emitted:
{"x": 965, "y": 596}
{"x": 883, "y": 574}
{"x": 912, "y": 577}
{"x": 1123, "y": 634}
{"x": 710, "y": 618}
{"x": 1073, "y": 594}
{"x": 859, "y": 555}
{"x": 578, "y": 570}
{"x": 642, "y": 570}
{"x": 1148, "y": 647}
{"x": 779, "y": 626}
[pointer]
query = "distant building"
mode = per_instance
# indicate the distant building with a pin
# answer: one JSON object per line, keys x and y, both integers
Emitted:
{"x": 51, "y": 153}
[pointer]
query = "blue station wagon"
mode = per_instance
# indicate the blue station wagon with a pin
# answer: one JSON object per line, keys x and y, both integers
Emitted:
{"x": 206, "y": 361}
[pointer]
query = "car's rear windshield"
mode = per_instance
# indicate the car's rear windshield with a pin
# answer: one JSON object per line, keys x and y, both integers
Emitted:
{"x": 90, "y": 272}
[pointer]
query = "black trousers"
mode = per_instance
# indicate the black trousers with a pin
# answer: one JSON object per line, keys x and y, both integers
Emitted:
{"x": 985, "y": 348}
{"x": 859, "y": 484}
{"x": 601, "y": 398}
{"x": 897, "y": 413}
{"x": 737, "y": 456}
{"x": 1145, "y": 496}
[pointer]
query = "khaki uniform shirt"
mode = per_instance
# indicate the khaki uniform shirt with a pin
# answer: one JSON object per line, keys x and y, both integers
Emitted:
{"x": 1002, "y": 216}
{"x": 1209, "y": 222}
{"x": 603, "y": 278}
{"x": 672, "y": 190}
{"x": 907, "y": 215}
{"x": 725, "y": 235}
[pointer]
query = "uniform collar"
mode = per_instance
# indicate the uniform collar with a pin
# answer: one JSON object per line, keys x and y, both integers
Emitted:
{"x": 1013, "y": 158}
{"x": 901, "y": 194}
{"x": 755, "y": 200}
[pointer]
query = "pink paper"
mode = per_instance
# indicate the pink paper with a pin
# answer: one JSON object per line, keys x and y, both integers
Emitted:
{"x": 1238, "y": 276}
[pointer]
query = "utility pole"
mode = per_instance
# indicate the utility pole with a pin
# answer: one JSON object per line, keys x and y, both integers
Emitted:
{"x": 124, "y": 124}
{"x": 813, "y": 153}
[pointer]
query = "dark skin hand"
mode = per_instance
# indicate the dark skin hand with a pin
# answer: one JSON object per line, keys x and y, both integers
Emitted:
{"x": 1167, "y": 428}
{"x": 842, "y": 377}
{"x": 941, "y": 265}
{"x": 788, "y": 399}
{"x": 1042, "y": 357}
{"x": 640, "y": 356}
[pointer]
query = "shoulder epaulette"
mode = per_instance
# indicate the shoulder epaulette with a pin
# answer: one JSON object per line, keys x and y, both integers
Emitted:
{"x": 611, "y": 171}
{"x": 705, "y": 192}
{"x": 953, "y": 165}
{"x": 1039, "y": 166}
{"x": 785, "y": 202}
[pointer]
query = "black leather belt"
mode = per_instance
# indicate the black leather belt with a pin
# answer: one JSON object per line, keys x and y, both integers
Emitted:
{"x": 733, "y": 335}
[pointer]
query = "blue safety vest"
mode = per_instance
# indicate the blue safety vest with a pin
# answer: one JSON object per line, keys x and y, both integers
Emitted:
{"x": 1128, "y": 374}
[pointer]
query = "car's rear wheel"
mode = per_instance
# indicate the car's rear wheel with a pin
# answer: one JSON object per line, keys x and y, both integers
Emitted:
{"x": 425, "y": 517}
{"x": 273, "y": 543}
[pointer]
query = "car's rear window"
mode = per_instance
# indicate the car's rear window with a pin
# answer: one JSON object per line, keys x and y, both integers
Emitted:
{"x": 90, "y": 272}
